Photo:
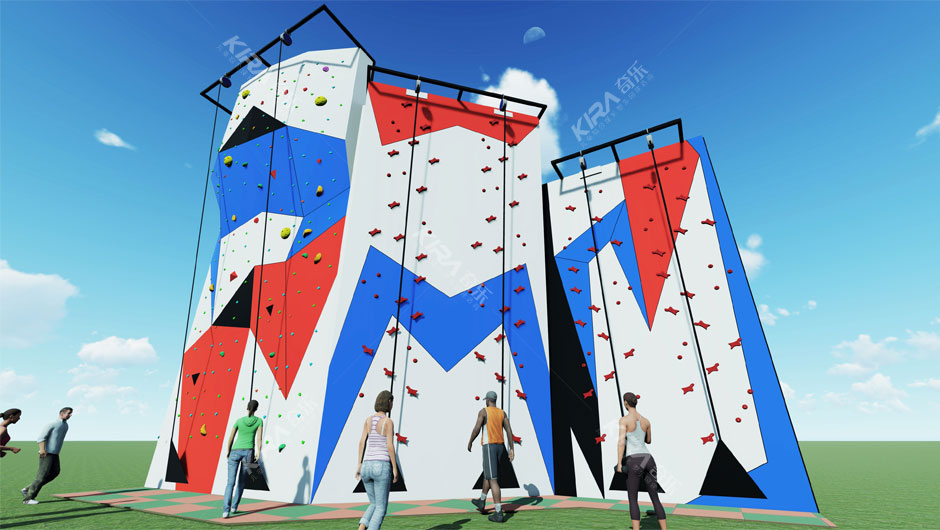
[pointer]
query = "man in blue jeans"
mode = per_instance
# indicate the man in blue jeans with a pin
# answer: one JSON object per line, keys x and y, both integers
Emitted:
{"x": 245, "y": 450}
{"x": 50, "y": 443}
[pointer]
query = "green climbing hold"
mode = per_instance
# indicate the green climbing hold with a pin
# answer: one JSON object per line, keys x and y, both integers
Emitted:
{"x": 307, "y": 232}
{"x": 244, "y": 164}
{"x": 304, "y": 255}
{"x": 245, "y": 93}
{"x": 319, "y": 190}
{"x": 281, "y": 447}
{"x": 285, "y": 233}
{"x": 320, "y": 101}
{"x": 227, "y": 161}
{"x": 221, "y": 354}
{"x": 271, "y": 354}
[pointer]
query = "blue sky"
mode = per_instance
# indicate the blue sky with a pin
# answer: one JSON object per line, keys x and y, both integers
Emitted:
{"x": 822, "y": 120}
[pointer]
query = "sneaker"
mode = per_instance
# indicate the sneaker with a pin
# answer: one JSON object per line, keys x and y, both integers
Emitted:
{"x": 497, "y": 517}
{"x": 224, "y": 515}
{"x": 25, "y": 494}
{"x": 31, "y": 501}
{"x": 480, "y": 504}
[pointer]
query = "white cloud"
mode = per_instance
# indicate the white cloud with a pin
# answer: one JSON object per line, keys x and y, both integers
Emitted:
{"x": 32, "y": 303}
{"x": 864, "y": 349}
{"x": 935, "y": 321}
{"x": 85, "y": 371}
{"x": 524, "y": 85}
{"x": 930, "y": 383}
{"x": 788, "y": 391}
{"x": 115, "y": 351}
{"x": 836, "y": 398}
{"x": 924, "y": 341}
{"x": 98, "y": 392}
{"x": 14, "y": 388}
{"x": 851, "y": 369}
{"x": 811, "y": 304}
{"x": 533, "y": 34}
{"x": 109, "y": 138}
{"x": 752, "y": 258}
{"x": 807, "y": 401}
{"x": 766, "y": 315}
{"x": 884, "y": 396}
{"x": 783, "y": 312}
{"x": 132, "y": 407}
{"x": 930, "y": 128}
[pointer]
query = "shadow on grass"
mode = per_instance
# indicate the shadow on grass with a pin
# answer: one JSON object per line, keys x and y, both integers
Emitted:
{"x": 456, "y": 525}
{"x": 34, "y": 515}
{"x": 39, "y": 519}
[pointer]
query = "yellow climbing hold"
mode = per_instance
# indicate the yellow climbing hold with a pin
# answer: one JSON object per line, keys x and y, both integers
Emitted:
{"x": 245, "y": 93}
{"x": 307, "y": 232}
{"x": 320, "y": 101}
{"x": 227, "y": 161}
{"x": 237, "y": 115}
{"x": 233, "y": 218}
{"x": 319, "y": 190}
{"x": 285, "y": 233}
{"x": 211, "y": 287}
{"x": 316, "y": 259}
{"x": 202, "y": 430}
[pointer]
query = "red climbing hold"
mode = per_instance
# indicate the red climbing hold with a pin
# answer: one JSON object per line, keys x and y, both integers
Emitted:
{"x": 629, "y": 353}
{"x": 594, "y": 308}
{"x": 417, "y": 315}
{"x": 522, "y": 176}
{"x": 603, "y": 335}
{"x": 709, "y": 438}
{"x": 421, "y": 256}
{"x": 663, "y": 274}
{"x": 680, "y": 230}
{"x": 519, "y": 289}
{"x": 374, "y": 231}
{"x": 520, "y": 394}
{"x": 599, "y": 439}
{"x": 702, "y": 324}
{"x": 503, "y": 158}
{"x": 576, "y": 290}
{"x": 411, "y": 391}
{"x": 366, "y": 349}
{"x": 708, "y": 222}
{"x": 399, "y": 237}
{"x": 683, "y": 197}
{"x": 688, "y": 294}
{"x": 735, "y": 343}
{"x": 413, "y": 142}
{"x": 498, "y": 338}
{"x": 231, "y": 277}
{"x": 420, "y": 279}
{"x": 486, "y": 168}
{"x": 589, "y": 393}
{"x": 422, "y": 189}
{"x": 517, "y": 439}
{"x": 513, "y": 204}
{"x": 401, "y": 300}
{"x": 388, "y": 372}
{"x": 580, "y": 322}
{"x": 480, "y": 356}
{"x": 394, "y": 204}
{"x": 519, "y": 323}
{"x": 475, "y": 244}
{"x": 712, "y": 368}
{"x": 504, "y": 309}
{"x": 659, "y": 253}
{"x": 499, "y": 378}
{"x": 749, "y": 391}
{"x": 497, "y": 250}
{"x": 672, "y": 310}
{"x": 490, "y": 219}
{"x": 737, "y": 420}
{"x": 402, "y": 439}
{"x": 274, "y": 174}
{"x": 592, "y": 249}
{"x": 393, "y": 152}
{"x": 570, "y": 208}
{"x": 519, "y": 268}
{"x": 573, "y": 269}
{"x": 361, "y": 394}
{"x": 392, "y": 331}
{"x": 423, "y": 127}
{"x": 687, "y": 389}
{"x": 649, "y": 186}
{"x": 609, "y": 376}
{"x": 434, "y": 161}
{"x": 615, "y": 242}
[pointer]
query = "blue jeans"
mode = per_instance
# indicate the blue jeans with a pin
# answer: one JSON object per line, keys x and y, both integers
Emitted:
{"x": 236, "y": 459}
{"x": 376, "y": 477}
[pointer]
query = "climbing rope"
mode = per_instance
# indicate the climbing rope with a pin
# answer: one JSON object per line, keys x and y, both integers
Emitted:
{"x": 688, "y": 305}
{"x": 264, "y": 236}
{"x": 600, "y": 278}
{"x": 502, "y": 270}
{"x": 404, "y": 245}
{"x": 192, "y": 287}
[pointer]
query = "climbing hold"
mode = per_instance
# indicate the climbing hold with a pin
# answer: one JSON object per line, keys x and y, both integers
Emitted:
{"x": 499, "y": 378}
{"x": 580, "y": 322}
{"x": 417, "y": 315}
{"x": 221, "y": 354}
{"x": 519, "y": 289}
{"x": 702, "y": 325}
{"x": 320, "y": 101}
{"x": 393, "y": 204}
{"x": 497, "y": 250}
{"x": 576, "y": 290}
{"x": 708, "y": 222}
{"x": 305, "y": 257}
{"x": 744, "y": 406}
{"x": 671, "y": 310}
{"x": 710, "y": 369}
{"x": 202, "y": 430}
{"x": 271, "y": 354}
{"x": 233, "y": 218}
{"x": 420, "y": 279}
{"x": 393, "y": 152}
{"x": 285, "y": 233}
{"x": 615, "y": 242}
{"x": 231, "y": 277}
{"x": 522, "y": 176}
{"x": 421, "y": 256}
{"x": 307, "y": 232}
{"x": 399, "y": 237}
{"x": 485, "y": 169}
{"x": 573, "y": 269}
{"x": 659, "y": 253}
{"x": 629, "y": 353}
{"x": 401, "y": 300}
{"x": 513, "y": 204}
{"x": 519, "y": 268}
{"x": 326, "y": 68}
{"x": 589, "y": 393}
{"x": 709, "y": 438}
{"x": 503, "y": 158}
{"x": 680, "y": 230}
{"x": 411, "y": 391}
{"x": 490, "y": 219}
{"x": 374, "y": 231}
{"x": 663, "y": 274}
{"x": 687, "y": 389}
{"x": 227, "y": 161}
{"x": 318, "y": 257}
{"x": 391, "y": 331}
{"x": 211, "y": 287}
{"x": 688, "y": 294}
{"x": 434, "y": 161}
{"x": 603, "y": 335}
{"x": 476, "y": 244}
{"x": 388, "y": 372}
{"x": 609, "y": 376}
{"x": 682, "y": 197}
{"x": 735, "y": 343}
{"x": 361, "y": 394}
{"x": 519, "y": 323}
{"x": 281, "y": 447}
{"x": 245, "y": 93}
{"x": 520, "y": 394}
{"x": 570, "y": 208}
{"x": 421, "y": 189}
{"x": 479, "y": 356}
{"x": 401, "y": 439}
{"x": 319, "y": 190}
{"x": 594, "y": 308}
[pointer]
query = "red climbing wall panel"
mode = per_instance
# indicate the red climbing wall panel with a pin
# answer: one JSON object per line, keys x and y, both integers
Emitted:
{"x": 292, "y": 297}
{"x": 214, "y": 360}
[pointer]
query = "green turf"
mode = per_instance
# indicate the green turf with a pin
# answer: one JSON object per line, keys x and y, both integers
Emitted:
{"x": 859, "y": 485}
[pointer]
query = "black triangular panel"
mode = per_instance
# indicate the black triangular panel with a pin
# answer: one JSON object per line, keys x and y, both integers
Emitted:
{"x": 505, "y": 475}
{"x": 726, "y": 477}
{"x": 255, "y": 124}
{"x": 258, "y": 481}
{"x": 175, "y": 472}
{"x": 270, "y": 309}
{"x": 195, "y": 377}
{"x": 395, "y": 486}
{"x": 237, "y": 312}
{"x": 619, "y": 483}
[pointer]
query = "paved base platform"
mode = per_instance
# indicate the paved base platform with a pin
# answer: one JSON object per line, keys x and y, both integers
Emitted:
{"x": 202, "y": 507}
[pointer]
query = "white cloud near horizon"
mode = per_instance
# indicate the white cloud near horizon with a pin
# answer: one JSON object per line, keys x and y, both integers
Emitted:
{"x": 107, "y": 137}
{"x": 884, "y": 397}
{"x": 851, "y": 369}
{"x": 118, "y": 351}
{"x": 929, "y": 383}
{"x": 752, "y": 258}
{"x": 16, "y": 388}
{"x": 33, "y": 303}
{"x": 85, "y": 371}
{"x": 523, "y": 84}
{"x": 923, "y": 341}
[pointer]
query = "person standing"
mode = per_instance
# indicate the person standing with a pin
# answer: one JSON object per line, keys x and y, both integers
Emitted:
{"x": 50, "y": 442}
{"x": 377, "y": 464}
{"x": 493, "y": 450}
{"x": 10, "y": 416}
{"x": 634, "y": 435}
{"x": 245, "y": 450}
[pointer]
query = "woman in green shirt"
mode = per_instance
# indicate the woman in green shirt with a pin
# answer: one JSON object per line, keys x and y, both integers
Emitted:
{"x": 245, "y": 449}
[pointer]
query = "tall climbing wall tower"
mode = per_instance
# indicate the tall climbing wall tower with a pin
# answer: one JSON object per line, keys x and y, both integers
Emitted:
{"x": 647, "y": 294}
{"x": 264, "y": 328}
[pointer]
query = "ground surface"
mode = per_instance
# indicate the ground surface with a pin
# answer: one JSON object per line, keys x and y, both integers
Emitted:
{"x": 858, "y": 485}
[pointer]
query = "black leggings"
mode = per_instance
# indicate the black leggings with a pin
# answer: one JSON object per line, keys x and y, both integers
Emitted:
{"x": 642, "y": 467}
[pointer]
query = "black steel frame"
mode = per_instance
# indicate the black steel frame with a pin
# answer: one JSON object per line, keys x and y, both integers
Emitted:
{"x": 613, "y": 144}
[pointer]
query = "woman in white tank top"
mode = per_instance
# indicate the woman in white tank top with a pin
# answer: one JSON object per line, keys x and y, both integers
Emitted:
{"x": 634, "y": 459}
{"x": 377, "y": 466}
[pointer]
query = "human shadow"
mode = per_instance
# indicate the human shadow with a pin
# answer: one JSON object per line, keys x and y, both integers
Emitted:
{"x": 47, "y": 520}
{"x": 34, "y": 515}
{"x": 303, "y": 484}
{"x": 456, "y": 525}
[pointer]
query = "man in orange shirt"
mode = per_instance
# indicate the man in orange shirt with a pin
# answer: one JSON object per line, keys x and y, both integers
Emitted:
{"x": 493, "y": 450}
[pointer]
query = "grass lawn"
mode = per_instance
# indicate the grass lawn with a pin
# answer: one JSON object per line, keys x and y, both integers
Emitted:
{"x": 872, "y": 485}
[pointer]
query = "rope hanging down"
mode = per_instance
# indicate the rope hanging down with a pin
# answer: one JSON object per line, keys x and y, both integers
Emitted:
{"x": 600, "y": 278}
{"x": 404, "y": 243}
{"x": 502, "y": 270}
{"x": 192, "y": 287}
{"x": 264, "y": 236}
{"x": 688, "y": 304}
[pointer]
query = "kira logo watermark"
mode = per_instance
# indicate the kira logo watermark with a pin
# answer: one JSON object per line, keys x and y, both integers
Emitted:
{"x": 600, "y": 113}
{"x": 229, "y": 47}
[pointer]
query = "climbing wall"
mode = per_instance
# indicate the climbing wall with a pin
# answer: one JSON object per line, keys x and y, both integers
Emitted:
{"x": 647, "y": 294}
{"x": 446, "y": 308}
{"x": 263, "y": 327}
